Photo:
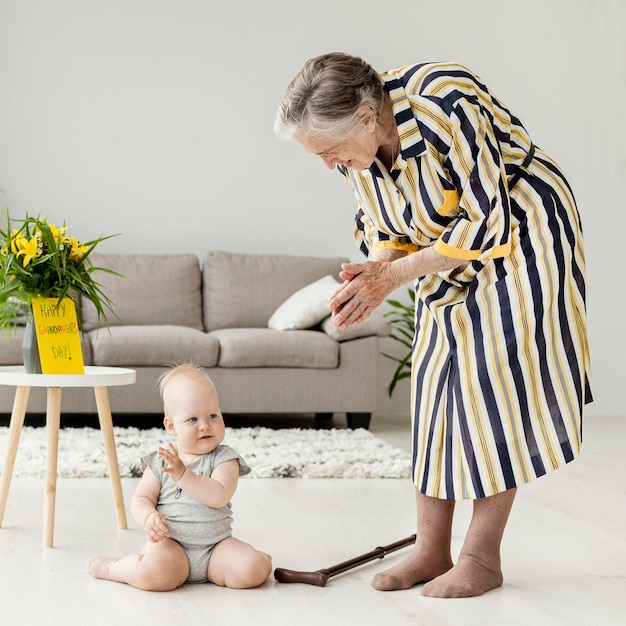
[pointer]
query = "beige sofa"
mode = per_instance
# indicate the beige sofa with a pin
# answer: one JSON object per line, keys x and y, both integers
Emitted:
{"x": 173, "y": 309}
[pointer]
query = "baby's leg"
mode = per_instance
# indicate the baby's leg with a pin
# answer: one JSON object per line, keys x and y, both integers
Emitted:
{"x": 238, "y": 565}
{"x": 161, "y": 566}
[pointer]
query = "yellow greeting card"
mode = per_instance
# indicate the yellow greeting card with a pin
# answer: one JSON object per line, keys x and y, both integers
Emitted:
{"x": 58, "y": 336}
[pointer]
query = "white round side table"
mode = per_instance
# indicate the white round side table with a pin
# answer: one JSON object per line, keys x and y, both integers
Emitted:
{"x": 97, "y": 377}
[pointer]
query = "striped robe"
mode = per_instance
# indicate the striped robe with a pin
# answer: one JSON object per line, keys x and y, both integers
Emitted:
{"x": 500, "y": 356}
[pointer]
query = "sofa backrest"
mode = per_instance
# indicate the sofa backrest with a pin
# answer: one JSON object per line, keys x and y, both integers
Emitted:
{"x": 157, "y": 289}
{"x": 243, "y": 290}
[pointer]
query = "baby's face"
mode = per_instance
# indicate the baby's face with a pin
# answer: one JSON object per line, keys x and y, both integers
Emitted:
{"x": 194, "y": 415}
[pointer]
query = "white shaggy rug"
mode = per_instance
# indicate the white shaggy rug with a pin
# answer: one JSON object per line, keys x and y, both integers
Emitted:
{"x": 281, "y": 453}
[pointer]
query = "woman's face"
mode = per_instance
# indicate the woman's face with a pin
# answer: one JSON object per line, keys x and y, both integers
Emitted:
{"x": 357, "y": 152}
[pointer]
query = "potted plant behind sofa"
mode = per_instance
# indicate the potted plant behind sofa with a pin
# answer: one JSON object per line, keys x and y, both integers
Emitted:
{"x": 39, "y": 260}
{"x": 402, "y": 319}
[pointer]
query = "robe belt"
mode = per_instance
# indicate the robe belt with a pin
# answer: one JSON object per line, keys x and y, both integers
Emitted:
{"x": 529, "y": 157}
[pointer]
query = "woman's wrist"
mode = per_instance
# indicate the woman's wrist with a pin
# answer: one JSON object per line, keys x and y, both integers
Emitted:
{"x": 404, "y": 270}
{"x": 423, "y": 262}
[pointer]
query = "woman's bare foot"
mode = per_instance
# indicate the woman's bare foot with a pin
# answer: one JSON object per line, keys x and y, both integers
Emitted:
{"x": 468, "y": 578}
{"x": 100, "y": 567}
{"x": 413, "y": 569}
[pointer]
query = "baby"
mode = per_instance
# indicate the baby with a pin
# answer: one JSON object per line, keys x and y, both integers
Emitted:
{"x": 183, "y": 500}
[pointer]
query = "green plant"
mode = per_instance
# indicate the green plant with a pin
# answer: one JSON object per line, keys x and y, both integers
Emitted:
{"x": 38, "y": 259}
{"x": 403, "y": 324}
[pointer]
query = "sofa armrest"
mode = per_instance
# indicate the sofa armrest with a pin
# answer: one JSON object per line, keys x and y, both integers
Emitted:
{"x": 375, "y": 324}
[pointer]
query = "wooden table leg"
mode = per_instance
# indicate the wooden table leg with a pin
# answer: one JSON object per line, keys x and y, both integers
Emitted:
{"x": 106, "y": 426}
{"x": 15, "y": 430}
{"x": 53, "y": 423}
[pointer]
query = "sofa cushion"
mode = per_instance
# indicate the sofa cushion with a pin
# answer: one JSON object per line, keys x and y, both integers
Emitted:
{"x": 11, "y": 350}
{"x": 153, "y": 345}
{"x": 243, "y": 290}
{"x": 157, "y": 289}
{"x": 264, "y": 347}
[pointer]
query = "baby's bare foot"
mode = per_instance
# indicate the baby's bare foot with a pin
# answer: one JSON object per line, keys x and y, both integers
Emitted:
{"x": 468, "y": 578}
{"x": 100, "y": 567}
{"x": 413, "y": 569}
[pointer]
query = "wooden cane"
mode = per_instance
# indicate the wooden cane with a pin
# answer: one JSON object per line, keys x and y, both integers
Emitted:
{"x": 320, "y": 577}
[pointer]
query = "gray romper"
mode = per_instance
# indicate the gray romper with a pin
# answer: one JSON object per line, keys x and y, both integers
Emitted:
{"x": 195, "y": 526}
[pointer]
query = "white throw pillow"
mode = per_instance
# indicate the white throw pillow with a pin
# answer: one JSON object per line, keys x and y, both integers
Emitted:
{"x": 306, "y": 307}
{"x": 375, "y": 324}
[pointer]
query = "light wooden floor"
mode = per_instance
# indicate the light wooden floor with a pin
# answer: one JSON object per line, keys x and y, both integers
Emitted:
{"x": 564, "y": 552}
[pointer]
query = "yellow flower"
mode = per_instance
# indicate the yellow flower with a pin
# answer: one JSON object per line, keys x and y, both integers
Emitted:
{"x": 13, "y": 241}
{"x": 58, "y": 234}
{"x": 77, "y": 250}
{"x": 27, "y": 247}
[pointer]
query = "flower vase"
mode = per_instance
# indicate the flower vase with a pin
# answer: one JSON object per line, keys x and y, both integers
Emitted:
{"x": 30, "y": 349}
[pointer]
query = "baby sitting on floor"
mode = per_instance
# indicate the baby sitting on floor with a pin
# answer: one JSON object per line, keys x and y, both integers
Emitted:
{"x": 183, "y": 500}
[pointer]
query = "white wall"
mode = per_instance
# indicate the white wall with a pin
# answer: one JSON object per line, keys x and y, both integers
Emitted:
{"x": 153, "y": 118}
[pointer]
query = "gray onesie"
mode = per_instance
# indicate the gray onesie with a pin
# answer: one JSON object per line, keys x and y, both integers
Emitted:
{"x": 195, "y": 526}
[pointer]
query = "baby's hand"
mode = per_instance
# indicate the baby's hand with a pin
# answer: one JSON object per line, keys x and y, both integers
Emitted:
{"x": 175, "y": 467}
{"x": 156, "y": 527}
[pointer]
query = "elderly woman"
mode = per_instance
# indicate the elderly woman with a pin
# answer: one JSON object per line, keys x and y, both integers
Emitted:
{"x": 453, "y": 195}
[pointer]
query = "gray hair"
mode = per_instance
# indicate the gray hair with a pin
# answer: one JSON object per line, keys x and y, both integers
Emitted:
{"x": 326, "y": 95}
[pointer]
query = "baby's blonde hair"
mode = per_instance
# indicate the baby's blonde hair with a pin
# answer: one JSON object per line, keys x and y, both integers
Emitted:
{"x": 188, "y": 370}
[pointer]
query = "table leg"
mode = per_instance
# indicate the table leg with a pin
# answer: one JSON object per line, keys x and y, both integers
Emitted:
{"x": 15, "y": 430}
{"x": 53, "y": 423}
{"x": 106, "y": 426}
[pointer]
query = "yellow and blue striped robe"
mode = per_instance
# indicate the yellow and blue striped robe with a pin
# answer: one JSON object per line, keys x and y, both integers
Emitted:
{"x": 500, "y": 358}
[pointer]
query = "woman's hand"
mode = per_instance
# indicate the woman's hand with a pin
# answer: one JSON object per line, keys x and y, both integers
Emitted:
{"x": 175, "y": 467}
{"x": 156, "y": 527}
{"x": 366, "y": 285}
